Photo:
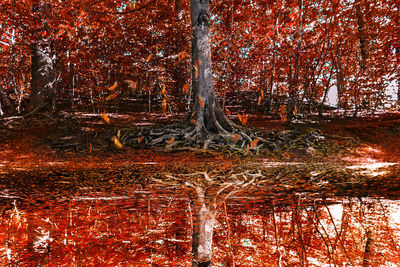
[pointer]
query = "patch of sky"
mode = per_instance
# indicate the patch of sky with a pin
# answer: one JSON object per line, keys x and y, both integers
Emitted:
{"x": 246, "y": 242}
{"x": 123, "y": 5}
{"x": 322, "y": 19}
{"x": 309, "y": 27}
{"x": 160, "y": 53}
{"x": 381, "y": 20}
{"x": 244, "y": 52}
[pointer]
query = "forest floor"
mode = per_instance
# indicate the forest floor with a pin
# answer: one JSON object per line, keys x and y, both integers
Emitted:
{"x": 358, "y": 156}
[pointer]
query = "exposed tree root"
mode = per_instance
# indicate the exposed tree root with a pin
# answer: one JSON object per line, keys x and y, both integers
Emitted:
{"x": 208, "y": 129}
{"x": 70, "y": 135}
{"x": 181, "y": 136}
{"x": 239, "y": 140}
{"x": 35, "y": 110}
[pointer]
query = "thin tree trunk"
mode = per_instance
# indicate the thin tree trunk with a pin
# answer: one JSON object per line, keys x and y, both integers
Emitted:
{"x": 293, "y": 79}
{"x": 273, "y": 70}
{"x": 362, "y": 36}
{"x": 398, "y": 74}
{"x": 339, "y": 81}
{"x": 321, "y": 107}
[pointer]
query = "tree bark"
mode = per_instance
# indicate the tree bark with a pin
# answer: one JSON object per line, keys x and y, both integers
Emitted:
{"x": 294, "y": 77}
{"x": 327, "y": 87}
{"x": 5, "y": 102}
{"x": 207, "y": 113}
{"x": 398, "y": 74}
{"x": 42, "y": 68}
{"x": 339, "y": 81}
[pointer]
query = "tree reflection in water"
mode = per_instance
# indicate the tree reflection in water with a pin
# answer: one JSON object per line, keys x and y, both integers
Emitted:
{"x": 147, "y": 228}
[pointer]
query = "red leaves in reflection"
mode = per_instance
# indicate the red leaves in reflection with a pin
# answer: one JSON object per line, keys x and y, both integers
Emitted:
{"x": 107, "y": 229}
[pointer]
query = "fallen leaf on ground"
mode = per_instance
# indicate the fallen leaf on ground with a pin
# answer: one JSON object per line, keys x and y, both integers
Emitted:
{"x": 117, "y": 143}
{"x": 170, "y": 141}
{"x": 242, "y": 118}
{"x": 254, "y": 143}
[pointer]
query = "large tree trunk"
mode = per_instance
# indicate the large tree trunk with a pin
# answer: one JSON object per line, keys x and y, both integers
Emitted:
{"x": 42, "y": 91}
{"x": 42, "y": 69}
{"x": 207, "y": 114}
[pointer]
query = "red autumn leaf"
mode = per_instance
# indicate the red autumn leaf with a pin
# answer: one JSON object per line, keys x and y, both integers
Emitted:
{"x": 164, "y": 106}
{"x": 295, "y": 111}
{"x": 201, "y": 102}
{"x": 282, "y": 109}
{"x": 254, "y": 143}
{"x": 163, "y": 90}
{"x": 105, "y": 117}
{"x": 117, "y": 143}
{"x": 185, "y": 89}
{"x": 112, "y": 87}
{"x": 242, "y": 118}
